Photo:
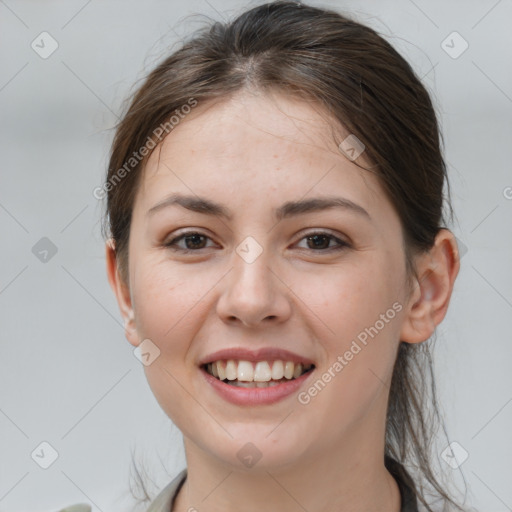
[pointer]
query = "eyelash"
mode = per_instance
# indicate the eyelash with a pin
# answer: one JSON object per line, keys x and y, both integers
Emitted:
{"x": 341, "y": 244}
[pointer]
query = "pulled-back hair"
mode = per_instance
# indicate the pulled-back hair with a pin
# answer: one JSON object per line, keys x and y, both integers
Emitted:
{"x": 355, "y": 75}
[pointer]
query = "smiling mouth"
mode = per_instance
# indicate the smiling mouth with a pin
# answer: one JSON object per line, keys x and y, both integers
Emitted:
{"x": 262, "y": 374}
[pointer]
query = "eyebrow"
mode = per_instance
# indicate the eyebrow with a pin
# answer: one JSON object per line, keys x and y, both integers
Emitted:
{"x": 288, "y": 209}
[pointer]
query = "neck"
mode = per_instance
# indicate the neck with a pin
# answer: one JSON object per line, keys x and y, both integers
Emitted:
{"x": 350, "y": 479}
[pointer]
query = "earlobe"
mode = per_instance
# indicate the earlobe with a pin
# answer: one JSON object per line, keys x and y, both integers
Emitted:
{"x": 122, "y": 293}
{"x": 130, "y": 331}
{"x": 436, "y": 271}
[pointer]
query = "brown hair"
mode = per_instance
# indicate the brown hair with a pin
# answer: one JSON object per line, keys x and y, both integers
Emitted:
{"x": 370, "y": 90}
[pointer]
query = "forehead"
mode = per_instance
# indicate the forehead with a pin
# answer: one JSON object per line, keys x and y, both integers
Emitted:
{"x": 254, "y": 146}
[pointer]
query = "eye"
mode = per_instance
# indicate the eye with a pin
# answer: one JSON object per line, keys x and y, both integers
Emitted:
{"x": 319, "y": 241}
{"x": 192, "y": 241}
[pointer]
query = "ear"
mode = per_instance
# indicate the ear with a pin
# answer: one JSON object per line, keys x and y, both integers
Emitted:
{"x": 436, "y": 271}
{"x": 122, "y": 293}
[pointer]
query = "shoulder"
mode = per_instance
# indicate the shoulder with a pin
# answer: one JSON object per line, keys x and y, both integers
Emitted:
{"x": 164, "y": 500}
{"x": 405, "y": 484}
{"x": 77, "y": 507}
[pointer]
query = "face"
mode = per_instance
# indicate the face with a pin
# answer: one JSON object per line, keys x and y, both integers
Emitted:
{"x": 327, "y": 284}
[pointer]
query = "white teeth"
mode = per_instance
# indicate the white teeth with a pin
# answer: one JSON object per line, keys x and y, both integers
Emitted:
{"x": 245, "y": 384}
{"x": 245, "y": 371}
{"x": 254, "y": 384}
{"x": 261, "y": 372}
{"x": 277, "y": 370}
{"x": 231, "y": 370}
{"x": 221, "y": 369}
{"x": 288, "y": 369}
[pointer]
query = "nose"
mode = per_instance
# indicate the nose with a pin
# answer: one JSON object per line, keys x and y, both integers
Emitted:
{"x": 254, "y": 294}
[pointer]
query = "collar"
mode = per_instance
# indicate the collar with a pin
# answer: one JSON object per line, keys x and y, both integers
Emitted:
{"x": 165, "y": 500}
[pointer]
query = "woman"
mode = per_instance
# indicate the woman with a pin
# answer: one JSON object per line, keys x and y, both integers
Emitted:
{"x": 278, "y": 251}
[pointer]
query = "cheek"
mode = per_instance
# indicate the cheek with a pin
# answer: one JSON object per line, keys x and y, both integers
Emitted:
{"x": 358, "y": 357}
{"x": 359, "y": 311}
{"x": 164, "y": 300}
{"x": 353, "y": 296}
{"x": 167, "y": 303}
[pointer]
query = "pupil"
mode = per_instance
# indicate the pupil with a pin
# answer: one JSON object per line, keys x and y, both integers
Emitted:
{"x": 195, "y": 237}
{"x": 316, "y": 237}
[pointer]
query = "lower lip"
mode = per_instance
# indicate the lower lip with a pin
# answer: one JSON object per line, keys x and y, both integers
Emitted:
{"x": 255, "y": 396}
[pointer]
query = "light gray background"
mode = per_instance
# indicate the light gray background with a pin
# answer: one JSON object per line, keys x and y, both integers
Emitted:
{"x": 69, "y": 377}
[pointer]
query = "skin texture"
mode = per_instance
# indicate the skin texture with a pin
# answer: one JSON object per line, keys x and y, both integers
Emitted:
{"x": 252, "y": 153}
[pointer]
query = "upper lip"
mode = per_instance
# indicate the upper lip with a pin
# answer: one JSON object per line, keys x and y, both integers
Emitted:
{"x": 262, "y": 354}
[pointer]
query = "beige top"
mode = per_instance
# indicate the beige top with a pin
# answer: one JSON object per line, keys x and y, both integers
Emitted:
{"x": 165, "y": 500}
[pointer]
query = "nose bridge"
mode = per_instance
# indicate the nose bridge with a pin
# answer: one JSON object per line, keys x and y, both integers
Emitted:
{"x": 251, "y": 278}
{"x": 252, "y": 292}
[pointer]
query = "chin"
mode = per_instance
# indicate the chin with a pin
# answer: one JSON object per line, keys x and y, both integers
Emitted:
{"x": 258, "y": 452}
